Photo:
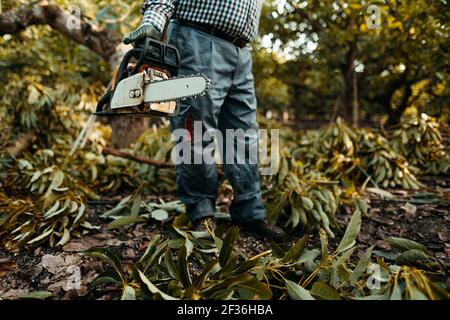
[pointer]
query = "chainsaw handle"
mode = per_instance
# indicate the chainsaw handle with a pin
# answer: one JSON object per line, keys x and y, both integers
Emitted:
{"x": 149, "y": 52}
{"x": 158, "y": 54}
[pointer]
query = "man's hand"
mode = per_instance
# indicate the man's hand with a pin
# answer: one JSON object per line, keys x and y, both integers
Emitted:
{"x": 144, "y": 31}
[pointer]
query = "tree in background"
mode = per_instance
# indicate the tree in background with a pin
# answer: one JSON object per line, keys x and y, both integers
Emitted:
{"x": 374, "y": 58}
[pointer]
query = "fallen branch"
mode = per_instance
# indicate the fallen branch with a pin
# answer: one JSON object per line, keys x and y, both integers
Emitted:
{"x": 22, "y": 144}
{"x": 126, "y": 155}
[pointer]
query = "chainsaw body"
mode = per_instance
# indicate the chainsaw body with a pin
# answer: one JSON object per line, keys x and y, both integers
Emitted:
{"x": 146, "y": 83}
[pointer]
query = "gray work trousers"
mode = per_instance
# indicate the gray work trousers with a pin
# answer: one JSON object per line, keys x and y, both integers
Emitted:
{"x": 230, "y": 103}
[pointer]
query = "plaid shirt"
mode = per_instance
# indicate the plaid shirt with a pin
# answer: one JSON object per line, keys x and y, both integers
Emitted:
{"x": 238, "y": 18}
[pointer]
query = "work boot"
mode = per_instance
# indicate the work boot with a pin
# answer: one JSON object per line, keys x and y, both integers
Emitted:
{"x": 200, "y": 224}
{"x": 265, "y": 229}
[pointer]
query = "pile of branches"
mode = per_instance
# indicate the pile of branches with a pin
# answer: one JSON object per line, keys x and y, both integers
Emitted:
{"x": 298, "y": 272}
{"x": 318, "y": 170}
{"x": 44, "y": 192}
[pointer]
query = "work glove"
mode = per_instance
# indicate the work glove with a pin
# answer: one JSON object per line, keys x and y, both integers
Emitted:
{"x": 146, "y": 30}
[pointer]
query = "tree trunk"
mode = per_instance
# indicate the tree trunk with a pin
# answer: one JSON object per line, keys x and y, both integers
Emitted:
{"x": 395, "y": 114}
{"x": 347, "y": 69}
{"x": 355, "y": 112}
{"x": 346, "y": 101}
{"x": 126, "y": 130}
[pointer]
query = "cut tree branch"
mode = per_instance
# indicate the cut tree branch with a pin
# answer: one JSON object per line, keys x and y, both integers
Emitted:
{"x": 126, "y": 155}
{"x": 104, "y": 42}
{"x": 22, "y": 144}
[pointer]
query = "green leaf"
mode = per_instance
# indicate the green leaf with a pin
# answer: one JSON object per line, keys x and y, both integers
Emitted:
{"x": 117, "y": 209}
{"x": 411, "y": 256}
{"x": 160, "y": 215}
{"x": 35, "y": 176}
{"x": 80, "y": 213}
{"x": 323, "y": 244}
{"x": 254, "y": 290}
{"x": 228, "y": 245}
{"x": 57, "y": 180}
{"x": 229, "y": 283}
{"x": 42, "y": 236}
{"x": 391, "y": 256}
{"x": 396, "y": 292}
{"x": 323, "y": 291}
{"x": 33, "y": 95}
{"x": 296, "y": 250}
{"x": 183, "y": 269}
{"x": 245, "y": 266}
{"x": 277, "y": 250}
{"x": 108, "y": 256}
{"x": 153, "y": 289}
{"x": 343, "y": 258}
{"x": 106, "y": 277}
{"x": 352, "y": 231}
{"x": 152, "y": 254}
{"x": 52, "y": 209}
{"x": 309, "y": 255}
{"x": 40, "y": 295}
{"x": 381, "y": 192}
{"x": 229, "y": 266}
{"x": 136, "y": 207}
{"x": 64, "y": 238}
{"x": 57, "y": 212}
{"x": 206, "y": 271}
{"x": 124, "y": 221}
{"x": 189, "y": 247}
{"x": 402, "y": 244}
{"x": 416, "y": 294}
{"x": 128, "y": 293}
{"x": 362, "y": 265}
{"x": 170, "y": 264}
{"x": 297, "y": 292}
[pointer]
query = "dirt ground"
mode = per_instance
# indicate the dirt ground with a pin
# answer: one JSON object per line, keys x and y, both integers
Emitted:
{"x": 417, "y": 215}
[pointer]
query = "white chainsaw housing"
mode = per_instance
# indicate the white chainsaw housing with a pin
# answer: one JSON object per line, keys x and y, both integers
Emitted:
{"x": 129, "y": 92}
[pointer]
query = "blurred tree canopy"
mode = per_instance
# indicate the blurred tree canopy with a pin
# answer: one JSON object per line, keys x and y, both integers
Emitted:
{"x": 379, "y": 57}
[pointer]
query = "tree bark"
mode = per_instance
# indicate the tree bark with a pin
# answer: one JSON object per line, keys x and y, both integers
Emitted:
{"x": 130, "y": 156}
{"x": 106, "y": 43}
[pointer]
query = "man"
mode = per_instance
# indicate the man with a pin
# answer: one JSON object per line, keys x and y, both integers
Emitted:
{"x": 212, "y": 37}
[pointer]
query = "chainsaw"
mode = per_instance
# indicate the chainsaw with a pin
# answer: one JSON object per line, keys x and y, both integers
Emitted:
{"x": 146, "y": 83}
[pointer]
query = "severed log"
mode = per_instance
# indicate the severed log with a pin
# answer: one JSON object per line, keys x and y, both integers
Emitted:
{"x": 126, "y": 155}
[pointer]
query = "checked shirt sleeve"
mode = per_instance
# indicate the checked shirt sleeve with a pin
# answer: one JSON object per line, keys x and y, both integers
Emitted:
{"x": 157, "y": 12}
